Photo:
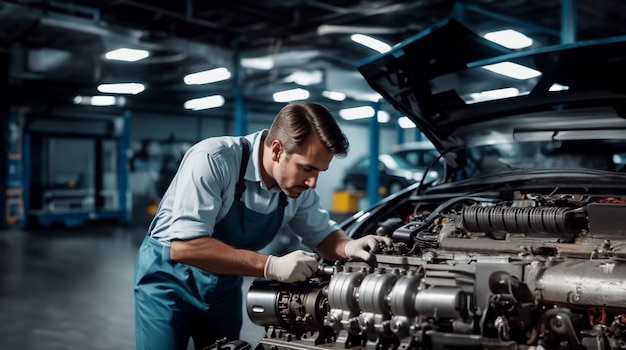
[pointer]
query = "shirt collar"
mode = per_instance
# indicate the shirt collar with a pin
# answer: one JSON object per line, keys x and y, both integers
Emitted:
{"x": 253, "y": 170}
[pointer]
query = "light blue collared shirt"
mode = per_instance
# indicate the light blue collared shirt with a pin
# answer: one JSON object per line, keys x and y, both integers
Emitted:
{"x": 203, "y": 189}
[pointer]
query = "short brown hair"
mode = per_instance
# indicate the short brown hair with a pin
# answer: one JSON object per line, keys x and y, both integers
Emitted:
{"x": 295, "y": 122}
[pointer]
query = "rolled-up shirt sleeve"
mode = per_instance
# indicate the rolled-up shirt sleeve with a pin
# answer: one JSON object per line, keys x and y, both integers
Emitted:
{"x": 198, "y": 196}
{"x": 197, "y": 199}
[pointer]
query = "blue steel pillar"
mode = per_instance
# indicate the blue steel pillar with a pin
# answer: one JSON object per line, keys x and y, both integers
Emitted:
{"x": 418, "y": 134}
{"x": 123, "y": 170}
{"x": 241, "y": 118}
{"x": 399, "y": 129}
{"x": 373, "y": 171}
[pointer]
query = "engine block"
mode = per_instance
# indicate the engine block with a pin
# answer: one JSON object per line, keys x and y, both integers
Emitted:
{"x": 538, "y": 272}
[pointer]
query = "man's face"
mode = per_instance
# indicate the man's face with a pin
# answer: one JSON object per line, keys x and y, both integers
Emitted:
{"x": 298, "y": 172}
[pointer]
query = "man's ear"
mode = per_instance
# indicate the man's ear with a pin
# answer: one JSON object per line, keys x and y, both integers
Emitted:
{"x": 277, "y": 149}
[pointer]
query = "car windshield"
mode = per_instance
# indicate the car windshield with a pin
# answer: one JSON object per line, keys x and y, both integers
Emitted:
{"x": 608, "y": 155}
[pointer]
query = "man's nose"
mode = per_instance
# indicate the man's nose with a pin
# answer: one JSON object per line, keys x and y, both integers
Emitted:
{"x": 311, "y": 181}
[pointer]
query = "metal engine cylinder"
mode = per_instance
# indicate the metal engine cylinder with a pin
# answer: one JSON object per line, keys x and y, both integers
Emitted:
{"x": 301, "y": 306}
{"x": 442, "y": 303}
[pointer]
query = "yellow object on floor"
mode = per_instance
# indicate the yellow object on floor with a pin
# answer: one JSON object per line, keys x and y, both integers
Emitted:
{"x": 152, "y": 208}
{"x": 346, "y": 202}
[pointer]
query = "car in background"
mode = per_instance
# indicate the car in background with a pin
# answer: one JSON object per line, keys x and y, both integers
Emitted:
{"x": 395, "y": 170}
{"x": 520, "y": 244}
{"x": 420, "y": 154}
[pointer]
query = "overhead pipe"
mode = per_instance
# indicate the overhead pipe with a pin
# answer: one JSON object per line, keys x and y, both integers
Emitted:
{"x": 183, "y": 17}
{"x": 92, "y": 12}
{"x": 326, "y": 29}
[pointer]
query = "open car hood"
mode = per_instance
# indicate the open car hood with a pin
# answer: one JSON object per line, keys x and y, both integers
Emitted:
{"x": 436, "y": 79}
{"x": 519, "y": 245}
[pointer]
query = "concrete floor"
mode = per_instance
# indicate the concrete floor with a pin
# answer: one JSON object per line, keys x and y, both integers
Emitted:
{"x": 71, "y": 288}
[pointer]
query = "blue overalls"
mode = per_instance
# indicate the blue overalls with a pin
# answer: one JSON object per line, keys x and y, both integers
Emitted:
{"x": 175, "y": 301}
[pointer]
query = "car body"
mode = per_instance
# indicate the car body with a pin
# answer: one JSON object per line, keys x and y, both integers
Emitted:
{"x": 396, "y": 170}
{"x": 521, "y": 245}
{"x": 421, "y": 154}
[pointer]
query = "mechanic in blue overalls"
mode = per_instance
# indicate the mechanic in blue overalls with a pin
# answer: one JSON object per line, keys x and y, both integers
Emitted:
{"x": 229, "y": 198}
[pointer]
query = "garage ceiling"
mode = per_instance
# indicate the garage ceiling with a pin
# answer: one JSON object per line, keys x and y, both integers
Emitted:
{"x": 53, "y": 50}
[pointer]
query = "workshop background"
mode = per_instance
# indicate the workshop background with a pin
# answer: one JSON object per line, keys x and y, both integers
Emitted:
{"x": 83, "y": 168}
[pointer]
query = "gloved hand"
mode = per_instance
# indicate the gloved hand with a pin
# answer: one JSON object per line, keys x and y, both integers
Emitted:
{"x": 361, "y": 248}
{"x": 293, "y": 267}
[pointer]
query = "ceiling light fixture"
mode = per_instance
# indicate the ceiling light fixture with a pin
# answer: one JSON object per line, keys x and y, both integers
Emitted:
{"x": 103, "y": 100}
{"x": 373, "y": 97}
{"x": 334, "y": 95}
{"x": 383, "y": 117}
{"x": 100, "y": 100}
{"x": 509, "y": 38}
{"x": 201, "y": 103}
{"x": 357, "y": 113}
{"x": 513, "y": 70}
{"x": 207, "y": 76}
{"x": 121, "y": 88}
{"x": 304, "y": 78}
{"x": 558, "y": 87}
{"x": 291, "y": 95}
{"x": 406, "y": 123}
{"x": 262, "y": 63}
{"x": 126, "y": 54}
{"x": 370, "y": 42}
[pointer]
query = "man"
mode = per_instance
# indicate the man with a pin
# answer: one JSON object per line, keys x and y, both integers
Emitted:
{"x": 228, "y": 199}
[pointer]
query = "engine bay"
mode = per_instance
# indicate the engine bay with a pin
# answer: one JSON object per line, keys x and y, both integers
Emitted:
{"x": 535, "y": 271}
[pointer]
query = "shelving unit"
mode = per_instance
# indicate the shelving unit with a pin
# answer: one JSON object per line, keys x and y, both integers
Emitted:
{"x": 78, "y": 170}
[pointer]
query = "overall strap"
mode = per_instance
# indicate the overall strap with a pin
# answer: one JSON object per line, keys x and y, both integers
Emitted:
{"x": 245, "y": 155}
{"x": 240, "y": 187}
{"x": 282, "y": 201}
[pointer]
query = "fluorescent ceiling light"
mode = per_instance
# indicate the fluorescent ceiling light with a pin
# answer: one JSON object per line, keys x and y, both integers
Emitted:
{"x": 128, "y": 55}
{"x": 100, "y": 100}
{"x": 513, "y": 70}
{"x": 383, "y": 117}
{"x": 103, "y": 100}
{"x": 405, "y": 123}
{"x": 489, "y": 95}
{"x": 373, "y": 97}
{"x": 207, "y": 76}
{"x": 357, "y": 113}
{"x": 291, "y": 95}
{"x": 370, "y": 42}
{"x": 558, "y": 87}
{"x": 121, "y": 88}
{"x": 305, "y": 78}
{"x": 197, "y": 104}
{"x": 334, "y": 95}
{"x": 263, "y": 63}
{"x": 510, "y": 38}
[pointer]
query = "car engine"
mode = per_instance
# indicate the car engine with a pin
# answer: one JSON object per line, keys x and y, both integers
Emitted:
{"x": 535, "y": 271}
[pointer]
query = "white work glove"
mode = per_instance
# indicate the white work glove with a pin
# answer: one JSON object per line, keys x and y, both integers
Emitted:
{"x": 362, "y": 248}
{"x": 293, "y": 267}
